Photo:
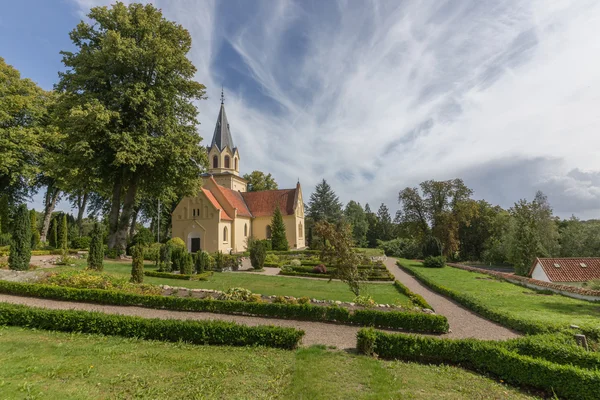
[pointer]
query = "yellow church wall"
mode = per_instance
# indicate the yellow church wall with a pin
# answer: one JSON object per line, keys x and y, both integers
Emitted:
{"x": 225, "y": 241}
{"x": 259, "y": 229}
{"x": 240, "y": 239}
{"x": 196, "y": 217}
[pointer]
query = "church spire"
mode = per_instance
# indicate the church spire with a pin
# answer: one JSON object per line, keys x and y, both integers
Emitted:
{"x": 222, "y": 136}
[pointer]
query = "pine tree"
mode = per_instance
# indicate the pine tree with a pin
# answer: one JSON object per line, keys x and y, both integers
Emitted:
{"x": 35, "y": 233}
{"x": 4, "y": 214}
{"x": 384, "y": 223}
{"x": 53, "y": 234}
{"x": 324, "y": 205}
{"x": 96, "y": 255}
{"x": 62, "y": 233}
{"x": 278, "y": 238}
{"x": 20, "y": 248}
{"x": 137, "y": 264}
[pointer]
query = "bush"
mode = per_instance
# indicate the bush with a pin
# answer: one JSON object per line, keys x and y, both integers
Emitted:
{"x": 137, "y": 264}
{"x": 20, "y": 248}
{"x": 305, "y": 312}
{"x": 187, "y": 267}
{"x": 365, "y": 301}
{"x": 431, "y": 247}
{"x": 486, "y": 357}
{"x": 197, "y": 277}
{"x": 168, "y": 330}
{"x": 401, "y": 247}
{"x": 304, "y": 300}
{"x": 295, "y": 263}
{"x": 152, "y": 252}
{"x": 95, "y": 280}
{"x": 165, "y": 264}
{"x": 434, "y": 262}
{"x": 5, "y": 239}
{"x": 320, "y": 269}
{"x": 144, "y": 237}
{"x": 238, "y": 294}
{"x": 176, "y": 243}
{"x": 258, "y": 254}
{"x": 82, "y": 242}
{"x": 177, "y": 256}
{"x": 272, "y": 260}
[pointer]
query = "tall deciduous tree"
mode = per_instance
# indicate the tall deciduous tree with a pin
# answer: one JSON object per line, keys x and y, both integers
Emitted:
{"x": 258, "y": 180}
{"x": 23, "y": 108}
{"x": 356, "y": 217}
{"x": 278, "y": 238}
{"x": 20, "y": 248}
{"x": 127, "y": 108}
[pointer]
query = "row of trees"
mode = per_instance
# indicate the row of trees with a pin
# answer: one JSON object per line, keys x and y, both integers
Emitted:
{"x": 442, "y": 218}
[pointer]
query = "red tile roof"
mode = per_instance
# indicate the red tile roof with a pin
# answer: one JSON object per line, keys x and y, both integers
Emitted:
{"x": 263, "y": 203}
{"x": 569, "y": 269}
{"x": 235, "y": 199}
{"x": 213, "y": 200}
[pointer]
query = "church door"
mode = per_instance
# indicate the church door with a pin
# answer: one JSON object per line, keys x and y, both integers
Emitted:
{"x": 195, "y": 245}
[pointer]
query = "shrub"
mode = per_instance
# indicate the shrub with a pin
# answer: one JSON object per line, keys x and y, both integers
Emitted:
{"x": 304, "y": 300}
{"x": 364, "y": 300}
{"x": 137, "y": 264}
{"x": 95, "y": 258}
{"x": 320, "y": 269}
{"x": 279, "y": 299}
{"x": 486, "y": 357}
{"x": 219, "y": 261}
{"x": 295, "y": 263}
{"x": 434, "y": 262}
{"x": 35, "y": 234}
{"x": 258, "y": 253}
{"x": 203, "y": 262}
{"x": 20, "y": 248}
{"x": 187, "y": 267}
{"x": 176, "y": 242}
{"x": 238, "y": 294}
{"x": 144, "y": 237}
{"x": 272, "y": 260}
{"x": 177, "y": 254}
{"x": 53, "y": 234}
{"x": 95, "y": 280}
{"x": 431, "y": 247}
{"x": 82, "y": 242}
{"x": 305, "y": 312}
{"x": 5, "y": 239}
{"x": 401, "y": 247}
{"x": 152, "y": 252}
{"x": 169, "y": 330}
{"x": 165, "y": 263}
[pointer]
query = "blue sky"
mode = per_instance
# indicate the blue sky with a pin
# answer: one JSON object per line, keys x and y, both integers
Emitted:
{"x": 375, "y": 96}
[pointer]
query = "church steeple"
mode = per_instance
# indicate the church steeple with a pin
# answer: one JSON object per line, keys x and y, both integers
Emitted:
{"x": 223, "y": 156}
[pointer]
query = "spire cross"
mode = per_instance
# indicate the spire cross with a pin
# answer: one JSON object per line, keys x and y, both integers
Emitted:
{"x": 222, "y": 96}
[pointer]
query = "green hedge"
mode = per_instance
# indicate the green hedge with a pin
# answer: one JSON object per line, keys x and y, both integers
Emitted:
{"x": 303, "y": 312}
{"x": 328, "y": 276}
{"x": 472, "y": 303}
{"x": 416, "y": 299}
{"x": 566, "y": 381}
{"x": 168, "y": 330}
{"x": 183, "y": 277}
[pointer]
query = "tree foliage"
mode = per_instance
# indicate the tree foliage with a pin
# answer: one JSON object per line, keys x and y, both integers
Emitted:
{"x": 20, "y": 248}
{"x": 63, "y": 239}
{"x": 338, "y": 253}
{"x": 258, "y": 180}
{"x": 278, "y": 237}
{"x": 132, "y": 122}
{"x": 356, "y": 217}
{"x": 324, "y": 204}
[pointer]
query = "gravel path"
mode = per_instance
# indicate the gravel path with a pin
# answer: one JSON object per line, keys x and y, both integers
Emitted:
{"x": 340, "y": 336}
{"x": 463, "y": 322}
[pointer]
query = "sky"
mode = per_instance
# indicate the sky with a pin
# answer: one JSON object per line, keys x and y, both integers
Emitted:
{"x": 375, "y": 96}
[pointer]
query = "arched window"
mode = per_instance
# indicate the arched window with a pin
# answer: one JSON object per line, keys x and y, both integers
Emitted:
{"x": 227, "y": 162}
{"x": 268, "y": 231}
{"x": 225, "y": 235}
{"x": 245, "y": 230}
{"x": 300, "y": 229}
{"x": 215, "y": 162}
{"x": 235, "y": 161}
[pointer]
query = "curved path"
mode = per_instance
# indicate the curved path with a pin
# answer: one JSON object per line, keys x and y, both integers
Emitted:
{"x": 464, "y": 323}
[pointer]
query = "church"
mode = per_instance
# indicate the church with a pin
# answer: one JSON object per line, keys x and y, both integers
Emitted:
{"x": 223, "y": 215}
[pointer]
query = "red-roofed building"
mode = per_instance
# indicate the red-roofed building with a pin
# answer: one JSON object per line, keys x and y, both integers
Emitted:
{"x": 568, "y": 271}
{"x": 222, "y": 216}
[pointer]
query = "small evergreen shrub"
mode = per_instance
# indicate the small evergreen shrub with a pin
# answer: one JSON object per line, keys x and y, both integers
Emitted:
{"x": 137, "y": 264}
{"x": 35, "y": 233}
{"x": 20, "y": 248}
{"x": 95, "y": 258}
{"x": 278, "y": 237}
{"x": 434, "y": 262}
{"x": 187, "y": 267}
{"x": 177, "y": 255}
{"x": 295, "y": 263}
{"x": 258, "y": 254}
{"x": 165, "y": 263}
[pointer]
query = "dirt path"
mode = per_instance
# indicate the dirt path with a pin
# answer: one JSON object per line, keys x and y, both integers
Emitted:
{"x": 463, "y": 322}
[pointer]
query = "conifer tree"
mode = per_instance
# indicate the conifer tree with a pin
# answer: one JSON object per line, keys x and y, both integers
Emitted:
{"x": 20, "y": 248}
{"x": 35, "y": 233}
{"x": 4, "y": 214}
{"x": 278, "y": 238}
{"x": 62, "y": 233}
{"x": 53, "y": 237}
{"x": 187, "y": 264}
{"x": 137, "y": 264}
{"x": 96, "y": 255}
{"x": 324, "y": 205}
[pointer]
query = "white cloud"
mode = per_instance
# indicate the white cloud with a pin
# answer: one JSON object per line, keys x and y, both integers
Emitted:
{"x": 381, "y": 95}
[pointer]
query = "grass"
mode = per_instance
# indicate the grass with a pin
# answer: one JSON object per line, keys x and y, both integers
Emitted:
{"x": 513, "y": 299}
{"x": 54, "y": 365}
{"x": 370, "y": 252}
{"x": 383, "y": 293}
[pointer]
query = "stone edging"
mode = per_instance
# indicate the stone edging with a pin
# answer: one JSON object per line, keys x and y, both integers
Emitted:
{"x": 571, "y": 291}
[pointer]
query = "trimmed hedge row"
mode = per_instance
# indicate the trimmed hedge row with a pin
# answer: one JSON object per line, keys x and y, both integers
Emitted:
{"x": 168, "y": 330}
{"x": 487, "y": 357}
{"x": 416, "y": 299}
{"x": 472, "y": 303}
{"x": 328, "y": 276}
{"x": 418, "y": 322}
{"x": 183, "y": 277}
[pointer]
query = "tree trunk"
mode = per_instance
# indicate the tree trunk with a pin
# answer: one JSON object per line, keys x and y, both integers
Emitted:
{"x": 81, "y": 204}
{"x": 113, "y": 215}
{"x": 134, "y": 216}
{"x": 49, "y": 203}
{"x": 125, "y": 217}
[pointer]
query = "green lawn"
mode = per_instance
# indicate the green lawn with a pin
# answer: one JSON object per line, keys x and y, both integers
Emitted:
{"x": 519, "y": 301}
{"x": 370, "y": 252}
{"x": 54, "y": 365}
{"x": 384, "y": 293}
